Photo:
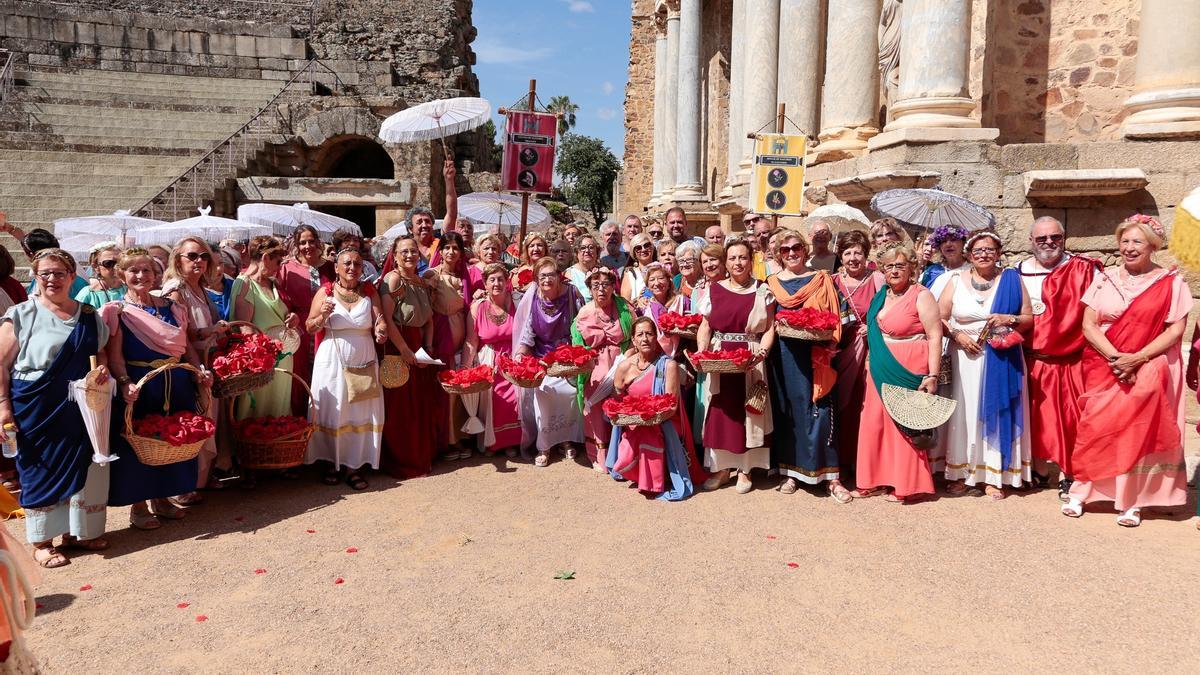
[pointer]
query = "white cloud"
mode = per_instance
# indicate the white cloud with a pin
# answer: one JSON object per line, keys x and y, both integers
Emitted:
{"x": 491, "y": 51}
{"x": 579, "y": 6}
{"x": 606, "y": 113}
{"x": 607, "y": 88}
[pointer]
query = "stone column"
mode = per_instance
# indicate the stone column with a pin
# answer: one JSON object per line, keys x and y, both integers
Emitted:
{"x": 800, "y": 61}
{"x": 687, "y": 139}
{"x": 737, "y": 76}
{"x": 1166, "y": 100}
{"x": 671, "y": 101}
{"x": 760, "y": 88}
{"x": 660, "y": 103}
{"x": 850, "y": 106}
{"x": 935, "y": 48}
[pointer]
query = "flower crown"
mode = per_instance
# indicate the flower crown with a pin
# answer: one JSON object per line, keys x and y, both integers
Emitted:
{"x": 1153, "y": 223}
{"x": 944, "y": 233}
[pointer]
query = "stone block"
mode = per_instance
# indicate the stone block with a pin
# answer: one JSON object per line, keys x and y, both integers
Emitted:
{"x": 1038, "y": 156}
{"x": 1168, "y": 189}
{"x": 63, "y": 30}
{"x": 16, "y": 26}
{"x": 222, "y": 44}
{"x": 108, "y": 35}
{"x": 1071, "y": 183}
{"x": 136, "y": 38}
{"x": 248, "y": 73}
{"x": 920, "y": 135}
{"x": 281, "y": 75}
{"x": 198, "y": 43}
{"x": 85, "y": 33}
{"x": 1152, "y": 157}
{"x": 292, "y": 48}
{"x": 180, "y": 41}
{"x": 272, "y": 64}
{"x": 244, "y": 45}
{"x": 1162, "y": 131}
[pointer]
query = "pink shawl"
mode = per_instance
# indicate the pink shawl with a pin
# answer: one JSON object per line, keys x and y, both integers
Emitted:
{"x": 155, "y": 333}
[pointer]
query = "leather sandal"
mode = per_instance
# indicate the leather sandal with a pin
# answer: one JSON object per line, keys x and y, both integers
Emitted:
{"x": 49, "y": 557}
{"x": 144, "y": 520}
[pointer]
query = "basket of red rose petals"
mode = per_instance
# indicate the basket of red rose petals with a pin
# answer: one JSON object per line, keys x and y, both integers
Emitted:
{"x": 722, "y": 361}
{"x": 273, "y": 442}
{"x": 569, "y": 361}
{"x": 640, "y": 411}
{"x": 682, "y": 325}
{"x": 466, "y": 380}
{"x": 166, "y": 439}
{"x": 525, "y": 372}
{"x": 809, "y": 324}
{"x": 245, "y": 363}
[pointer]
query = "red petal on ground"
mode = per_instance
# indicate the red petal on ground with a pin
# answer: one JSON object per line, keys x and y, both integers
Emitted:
{"x": 793, "y": 564}
{"x": 338, "y": 581}
{"x": 183, "y": 605}
{"x": 771, "y": 537}
{"x": 260, "y": 571}
{"x": 352, "y": 549}
{"x": 311, "y": 531}
{"x": 201, "y": 618}
{"x": 85, "y": 587}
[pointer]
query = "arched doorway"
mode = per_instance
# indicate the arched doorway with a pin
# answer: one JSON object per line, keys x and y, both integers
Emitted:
{"x": 352, "y": 157}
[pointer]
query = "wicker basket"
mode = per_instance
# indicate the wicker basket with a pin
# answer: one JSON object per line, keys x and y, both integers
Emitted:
{"x": 569, "y": 370}
{"x": 685, "y": 333}
{"x": 718, "y": 366}
{"x": 151, "y": 451}
{"x": 626, "y": 420}
{"x": 478, "y": 387}
{"x": 807, "y": 334}
{"x": 524, "y": 384}
{"x": 284, "y": 452}
{"x": 242, "y": 383}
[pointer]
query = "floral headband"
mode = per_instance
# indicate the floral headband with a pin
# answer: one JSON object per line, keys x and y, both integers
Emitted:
{"x": 945, "y": 233}
{"x": 981, "y": 234}
{"x": 1149, "y": 221}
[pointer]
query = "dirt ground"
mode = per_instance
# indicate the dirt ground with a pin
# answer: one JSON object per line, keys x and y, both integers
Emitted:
{"x": 456, "y": 572}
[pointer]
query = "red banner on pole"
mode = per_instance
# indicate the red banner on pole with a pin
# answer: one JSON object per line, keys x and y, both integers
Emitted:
{"x": 529, "y": 145}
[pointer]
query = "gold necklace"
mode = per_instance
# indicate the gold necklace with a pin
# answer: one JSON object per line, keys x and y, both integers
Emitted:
{"x": 497, "y": 318}
{"x": 349, "y": 297}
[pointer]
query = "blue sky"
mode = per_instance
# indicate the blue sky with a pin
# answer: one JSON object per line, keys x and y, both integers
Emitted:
{"x": 576, "y": 48}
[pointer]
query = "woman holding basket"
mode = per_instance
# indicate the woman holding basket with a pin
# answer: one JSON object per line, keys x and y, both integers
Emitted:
{"x": 490, "y": 334}
{"x": 257, "y": 301}
{"x": 148, "y": 333}
{"x": 45, "y": 343}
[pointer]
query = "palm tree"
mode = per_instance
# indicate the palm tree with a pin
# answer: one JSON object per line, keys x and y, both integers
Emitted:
{"x": 562, "y": 106}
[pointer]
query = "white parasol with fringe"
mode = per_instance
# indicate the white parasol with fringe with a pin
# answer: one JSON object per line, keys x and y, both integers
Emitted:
{"x": 283, "y": 220}
{"x": 842, "y": 211}
{"x": 118, "y": 227}
{"x": 500, "y": 208}
{"x": 930, "y": 208}
{"x": 435, "y": 120}
{"x": 209, "y": 228}
{"x": 95, "y": 405}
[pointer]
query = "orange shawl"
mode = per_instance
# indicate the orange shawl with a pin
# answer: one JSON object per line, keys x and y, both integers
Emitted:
{"x": 819, "y": 293}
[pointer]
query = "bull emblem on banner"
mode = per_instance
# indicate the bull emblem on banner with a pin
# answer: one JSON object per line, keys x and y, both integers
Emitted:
{"x": 529, "y": 124}
{"x": 779, "y": 146}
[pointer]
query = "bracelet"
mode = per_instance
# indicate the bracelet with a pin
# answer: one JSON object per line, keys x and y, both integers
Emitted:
{"x": 930, "y": 376}
{"x": 124, "y": 379}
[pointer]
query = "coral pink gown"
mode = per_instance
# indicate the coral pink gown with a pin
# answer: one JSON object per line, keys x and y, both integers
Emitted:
{"x": 641, "y": 454}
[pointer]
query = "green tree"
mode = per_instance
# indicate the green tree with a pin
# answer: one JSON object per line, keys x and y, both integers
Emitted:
{"x": 588, "y": 169}
{"x": 495, "y": 145}
{"x": 562, "y": 105}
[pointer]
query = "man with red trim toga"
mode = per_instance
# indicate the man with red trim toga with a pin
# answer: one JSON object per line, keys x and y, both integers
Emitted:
{"x": 1056, "y": 281}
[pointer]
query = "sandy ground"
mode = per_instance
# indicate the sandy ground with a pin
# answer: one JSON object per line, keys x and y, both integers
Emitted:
{"x": 455, "y": 572}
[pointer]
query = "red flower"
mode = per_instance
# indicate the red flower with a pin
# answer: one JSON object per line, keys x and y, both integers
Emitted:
{"x": 739, "y": 356}
{"x": 466, "y": 376}
{"x": 247, "y": 354}
{"x": 524, "y": 368}
{"x": 524, "y": 278}
{"x": 642, "y": 406}
{"x": 675, "y": 321}
{"x": 576, "y": 355}
{"x": 177, "y": 429}
{"x": 1005, "y": 341}
{"x": 808, "y": 317}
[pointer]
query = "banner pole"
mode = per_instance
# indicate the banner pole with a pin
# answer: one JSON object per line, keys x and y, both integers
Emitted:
{"x": 525, "y": 195}
{"x": 779, "y": 130}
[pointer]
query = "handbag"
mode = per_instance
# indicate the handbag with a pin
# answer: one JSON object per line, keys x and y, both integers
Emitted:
{"x": 393, "y": 371}
{"x": 360, "y": 383}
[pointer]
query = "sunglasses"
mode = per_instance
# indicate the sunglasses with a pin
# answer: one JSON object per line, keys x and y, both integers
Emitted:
{"x": 193, "y": 256}
{"x": 752, "y": 220}
{"x": 107, "y": 264}
{"x": 1055, "y": 238}
{"x": 794, "y": 248}
{"x": 644, "y": 247}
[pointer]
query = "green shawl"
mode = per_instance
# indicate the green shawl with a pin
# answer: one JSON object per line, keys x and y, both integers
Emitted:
{"x": 625, "y": 317}
{"x": 885, "y": 368}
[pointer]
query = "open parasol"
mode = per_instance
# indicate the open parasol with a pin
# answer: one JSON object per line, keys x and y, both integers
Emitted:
{"x": 209, "y": 228}
{"x": 840, "y": 211}
{"x": 118, "y": 227}
{"x": 283, "y": 220}
{"x": 931, "y": 208}
{"x": 80, "y": 245}
{"x": 499, "y": 208}
{"x": 95, "y": 405}
{"x": 435, "y": 120}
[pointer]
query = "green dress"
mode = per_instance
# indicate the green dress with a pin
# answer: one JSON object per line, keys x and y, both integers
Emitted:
{"x": 275, "y": 399}
{"x": 97, "y": 298}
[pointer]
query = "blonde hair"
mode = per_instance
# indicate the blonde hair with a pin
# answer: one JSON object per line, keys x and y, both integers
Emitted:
{"x": 94, "y": 254}
{"x": 212, "y": 276}
{"x": 1152, "y": 237}
{"x": 58, "y": 254}
{"x": 892, "y": 250}
{"x": 131, "y": 255}
{"x": 785, "y": 234}
{"x": 529, "y": 239}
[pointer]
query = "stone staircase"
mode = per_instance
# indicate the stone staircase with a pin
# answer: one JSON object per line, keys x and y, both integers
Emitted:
{"x": 89, "y": 142}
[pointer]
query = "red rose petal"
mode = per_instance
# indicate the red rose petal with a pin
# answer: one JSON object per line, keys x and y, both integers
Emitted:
{"x": 260, "y": 571}
{"x": 85, "y": 587}
{"x": 352, "y": 549}
{"x": 771, "y": 537}
{"x": 338, "y": 581}
{"x": 39, "y": 606}
{"x": 311, "y": 531}
{"x": 201, "y": 618}
{"x": 183, "y": 605}
{"x": 793, "y": 564}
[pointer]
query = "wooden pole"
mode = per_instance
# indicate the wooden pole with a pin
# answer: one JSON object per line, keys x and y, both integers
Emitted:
{"x": 525, "y": 195}
{"x": 779, "y": 130}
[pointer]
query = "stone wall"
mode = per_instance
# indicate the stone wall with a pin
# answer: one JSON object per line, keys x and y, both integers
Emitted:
{"x": 638, "y": 173}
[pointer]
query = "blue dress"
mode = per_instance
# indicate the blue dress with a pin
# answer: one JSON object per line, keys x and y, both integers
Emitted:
{"x": 130, "y": 480}
{"x": 803, "y": 445}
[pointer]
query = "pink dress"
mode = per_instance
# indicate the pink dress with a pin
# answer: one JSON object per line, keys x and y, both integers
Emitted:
{"x": 886, "y": 457}
{"x": 641, "y": 454}
{"x": 499, "y": 414}
{"x": 1160, "y": 478}
{"x": 603, "y": 333}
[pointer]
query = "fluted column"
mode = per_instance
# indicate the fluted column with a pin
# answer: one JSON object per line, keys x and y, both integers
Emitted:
{"x": 737, "y": 77}
{"x": 1166, "y": 100}
{"x": 760, "y": 89}
{"x": 850, "y": 106}
{"x": 671, "y": 102}
{"x": 935, "y": 49}
{"x": 687, "y": 148}
{"x": 660, "y": 102}
{"x": 800, "y": 62}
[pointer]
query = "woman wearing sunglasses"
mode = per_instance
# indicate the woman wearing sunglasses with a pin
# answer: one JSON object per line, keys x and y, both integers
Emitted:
{"x": 192, "y": 270}
{"x": 106, "y": 285}
{"x": 633, "y": 281}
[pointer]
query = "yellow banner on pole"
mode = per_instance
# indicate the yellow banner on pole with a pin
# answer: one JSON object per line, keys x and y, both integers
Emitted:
{"x": 777, "y": 184}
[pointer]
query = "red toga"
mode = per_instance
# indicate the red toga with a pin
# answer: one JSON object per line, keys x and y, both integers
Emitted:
{"x": 1055, "y": 355}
